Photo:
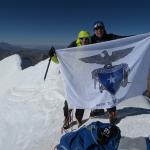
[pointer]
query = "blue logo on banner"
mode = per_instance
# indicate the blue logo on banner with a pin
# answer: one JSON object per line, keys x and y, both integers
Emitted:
{"x": 111, "y": 78}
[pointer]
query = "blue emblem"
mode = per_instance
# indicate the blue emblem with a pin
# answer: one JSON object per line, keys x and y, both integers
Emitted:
{"x": 111, "y": 78}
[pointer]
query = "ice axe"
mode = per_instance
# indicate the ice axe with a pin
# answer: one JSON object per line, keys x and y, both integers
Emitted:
{"x": 51, "y": 54}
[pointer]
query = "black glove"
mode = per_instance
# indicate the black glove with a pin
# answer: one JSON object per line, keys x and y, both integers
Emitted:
{"x": 52, "y": 52}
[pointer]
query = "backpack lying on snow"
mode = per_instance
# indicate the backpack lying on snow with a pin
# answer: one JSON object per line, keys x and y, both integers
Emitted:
{"x": 95, "y": 136}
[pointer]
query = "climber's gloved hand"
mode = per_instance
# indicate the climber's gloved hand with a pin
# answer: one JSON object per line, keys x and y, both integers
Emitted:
{"x": 52, "y": 55}
{"x": 52, "y": 52}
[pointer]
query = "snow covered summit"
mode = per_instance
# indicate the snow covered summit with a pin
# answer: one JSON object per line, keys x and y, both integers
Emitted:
{"x": 31, "y": 112}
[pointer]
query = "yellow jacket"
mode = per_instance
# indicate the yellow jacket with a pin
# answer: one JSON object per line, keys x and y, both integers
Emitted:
{"x": 82, "y": 34}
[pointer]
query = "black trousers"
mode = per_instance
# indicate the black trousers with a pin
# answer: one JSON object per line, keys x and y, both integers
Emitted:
{"x": 113, "y": 109}
{"x": 99, "y": 112}
{"x": 78, "y": 112}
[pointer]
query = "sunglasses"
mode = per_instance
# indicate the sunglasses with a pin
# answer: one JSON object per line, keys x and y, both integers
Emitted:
{"x": 98, "y": 28}
{"x": 86, "y": 39}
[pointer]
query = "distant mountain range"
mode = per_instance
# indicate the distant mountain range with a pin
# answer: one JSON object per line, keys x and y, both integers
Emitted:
{"x": 43, "y": 47}
{"x": 7, "y": 46}
{"x": 29, "y": 56}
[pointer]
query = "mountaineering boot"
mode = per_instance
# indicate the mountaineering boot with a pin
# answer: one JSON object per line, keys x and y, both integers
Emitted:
{"x": 67, "y": 120}
{"x": 79, "y": 123}
{"x": 148, "y": 94}
{"x": 97, "y": 113}
{"x": 79, "y": 115}
{"x": 67, "y": 115}
{"x": 112, "y": 117}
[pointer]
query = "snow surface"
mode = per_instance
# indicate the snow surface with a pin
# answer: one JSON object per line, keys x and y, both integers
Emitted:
{"x": 31, "y": 113}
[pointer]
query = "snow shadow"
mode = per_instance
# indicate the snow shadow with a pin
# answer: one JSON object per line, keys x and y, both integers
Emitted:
{"x": 127, "y": 143}
{"x": 131, "y": 111}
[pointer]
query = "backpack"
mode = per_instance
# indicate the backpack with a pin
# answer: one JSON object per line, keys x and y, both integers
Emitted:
{"x": 95, "y": 136}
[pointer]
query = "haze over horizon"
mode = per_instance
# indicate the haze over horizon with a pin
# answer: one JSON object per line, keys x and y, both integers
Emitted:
{"x": 58, "y": 22}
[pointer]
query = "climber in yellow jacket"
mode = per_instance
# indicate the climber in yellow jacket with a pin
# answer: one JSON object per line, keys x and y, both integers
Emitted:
{"x": 83, "y": 38}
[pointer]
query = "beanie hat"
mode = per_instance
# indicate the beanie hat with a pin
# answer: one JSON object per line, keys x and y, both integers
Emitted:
{"x": 98, "y": 24}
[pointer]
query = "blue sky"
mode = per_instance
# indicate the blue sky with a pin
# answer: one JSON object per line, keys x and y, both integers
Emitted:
{"x": 57, "y": 22}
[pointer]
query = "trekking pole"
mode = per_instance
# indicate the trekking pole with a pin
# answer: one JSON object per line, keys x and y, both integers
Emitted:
{"x": 51, "y": 54}
{"x": 47, "y": 68}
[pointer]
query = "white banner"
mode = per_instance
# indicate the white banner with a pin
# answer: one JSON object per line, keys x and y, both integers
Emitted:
{"x": 103, "y": 74}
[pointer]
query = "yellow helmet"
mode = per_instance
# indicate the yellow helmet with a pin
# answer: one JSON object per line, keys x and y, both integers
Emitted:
{"x": 82, "y": 34}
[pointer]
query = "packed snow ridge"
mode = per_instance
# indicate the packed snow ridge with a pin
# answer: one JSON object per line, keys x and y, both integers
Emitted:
{"x": 31, "y": 113}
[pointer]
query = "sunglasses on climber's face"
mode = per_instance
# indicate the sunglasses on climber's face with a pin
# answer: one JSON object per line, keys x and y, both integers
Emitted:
{"x": 86, "y": 39}
{"x": 98, "y": 28}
